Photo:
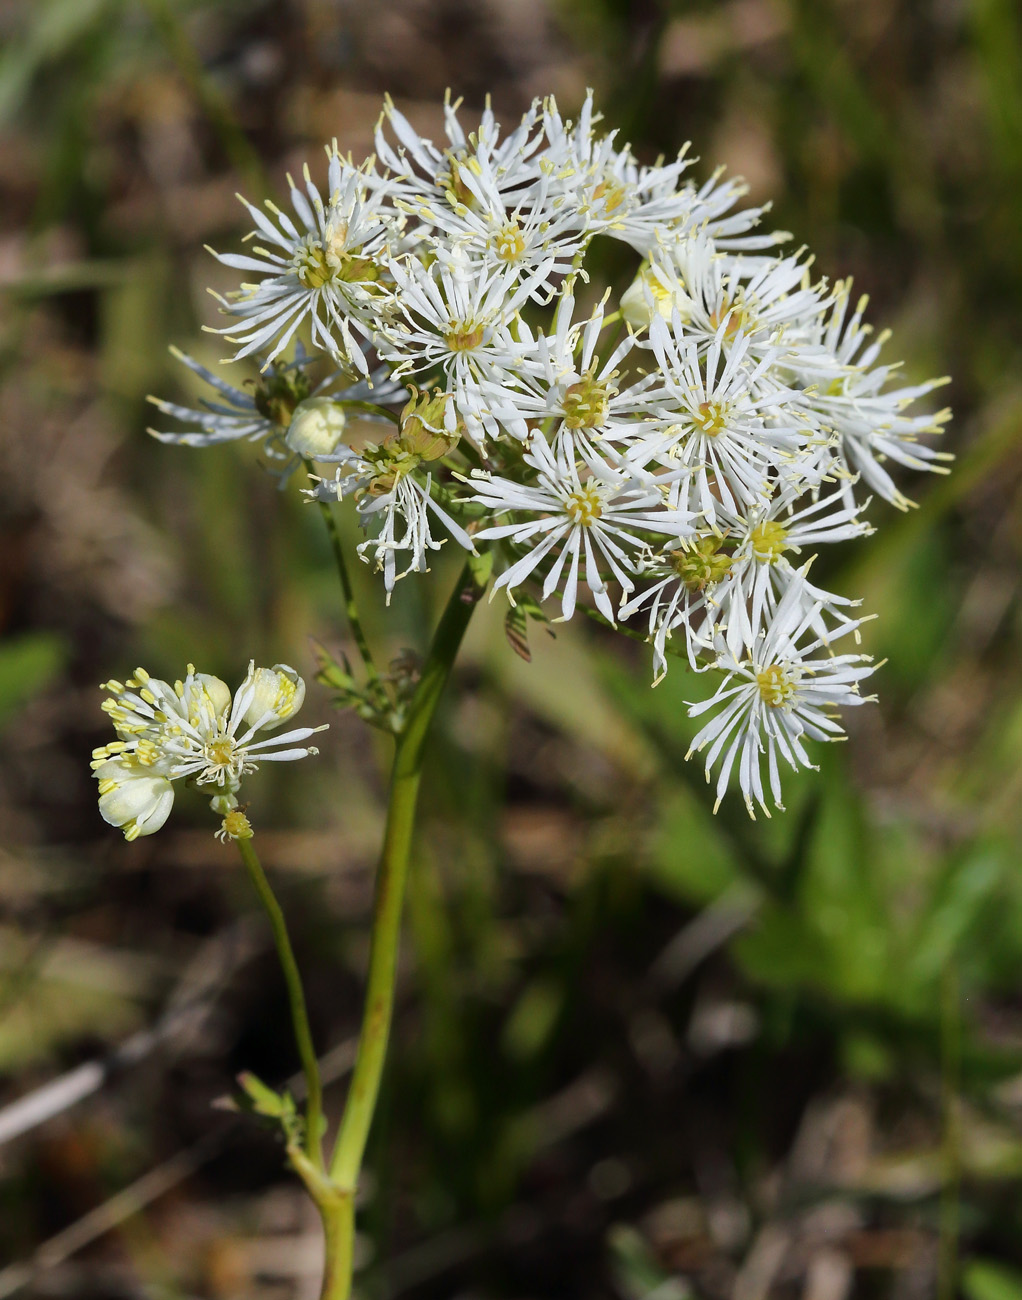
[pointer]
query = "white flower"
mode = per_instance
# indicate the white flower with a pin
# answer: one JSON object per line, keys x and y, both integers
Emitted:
{"x": 325, "y": 270}
{"x": 869, "y": 416}
{"x": 394, "y": 506}
{"x": 194, "y": 728}
{"x": 422, "y": 174}
{"x": 774, "y": 305}
{"x": 762, "y": 574}
{"x": 727, "y": 421}
{"x": 584, "y": 523}
{"x": 523, "y": 230}
{"x": 773, "y": 699}
{"x": 457, "y": 322}
{"x": 559, "y": 378}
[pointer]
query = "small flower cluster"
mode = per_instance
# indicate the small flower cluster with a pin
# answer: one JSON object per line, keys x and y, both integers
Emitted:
{"x": 675, "y": 456}
{"x": 193, "y": 729}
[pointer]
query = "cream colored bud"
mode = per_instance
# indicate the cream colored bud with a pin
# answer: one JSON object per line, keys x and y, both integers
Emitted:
{"x": 217, "y": 691}
{"x": 647, "y": 294}
{"x": 132, "y": 799}
{"x": 317, "y": 427}
{"x": 277, "y": 694}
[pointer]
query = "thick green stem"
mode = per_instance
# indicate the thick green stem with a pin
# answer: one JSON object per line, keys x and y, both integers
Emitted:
{"x": 393, "y": 870}
{"x": 338, "y": 1215}
{"x": 296, "y": 997}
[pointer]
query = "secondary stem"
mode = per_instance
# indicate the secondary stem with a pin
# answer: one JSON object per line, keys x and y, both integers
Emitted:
{"x": 296, "y": 996}
{"x": 347, "y": 591}
{"x": 353, "y": 1134}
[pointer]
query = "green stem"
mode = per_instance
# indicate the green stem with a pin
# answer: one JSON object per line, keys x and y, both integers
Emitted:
{"x": 347, "y": 591}
{"x": 338, "y": 1215}
{"x": 393, "y": 870}
{"x": 951, "y": 1070}
{"x": 296, "y": 997}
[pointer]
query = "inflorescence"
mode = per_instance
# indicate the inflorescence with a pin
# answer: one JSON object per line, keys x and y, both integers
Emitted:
{"x": 193, "y": 729}
{"x": 675, "y": 456}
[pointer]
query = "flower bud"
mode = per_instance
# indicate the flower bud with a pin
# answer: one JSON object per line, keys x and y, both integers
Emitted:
{"x": 132, "y": 799}
{"x": 217, "y": 691}
{"x": 277, "y": 694}
{"x": 647, "y": 295}
{"x": 317, "y": 427}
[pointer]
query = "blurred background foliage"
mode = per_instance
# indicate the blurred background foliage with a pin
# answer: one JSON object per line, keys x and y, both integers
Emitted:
{"x": 640, "y": 1051}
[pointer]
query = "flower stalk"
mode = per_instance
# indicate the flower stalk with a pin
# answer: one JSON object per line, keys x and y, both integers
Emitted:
{"x": 296, "y": 999}
{"x": 349, "y": 1150}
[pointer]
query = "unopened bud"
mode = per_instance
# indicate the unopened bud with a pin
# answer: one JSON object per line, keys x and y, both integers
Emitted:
{"x": 317, "y": 427}
{"x": 277, "y": 694}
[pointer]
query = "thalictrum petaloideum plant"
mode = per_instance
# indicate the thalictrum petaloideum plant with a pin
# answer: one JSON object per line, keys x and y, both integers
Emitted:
{"x": 667, "y": 461}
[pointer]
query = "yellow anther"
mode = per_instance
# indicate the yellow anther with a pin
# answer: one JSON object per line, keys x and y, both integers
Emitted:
{"x": 775, "y": 686}
{"x": 509, "y": 243}
{"x": 769, "y": 541}
{"x": 586, "y": 403}
{"x": 584, "y": 506}
{"x": 612, "y": 194}
{"x": 464, "y": 336}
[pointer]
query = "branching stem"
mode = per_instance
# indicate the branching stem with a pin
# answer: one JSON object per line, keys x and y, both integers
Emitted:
{"x": 296, "y": 997}
{"x": 347, "y": 591}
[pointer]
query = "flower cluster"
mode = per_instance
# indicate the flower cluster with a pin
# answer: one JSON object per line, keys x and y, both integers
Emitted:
{"x": 193, "y": 729}
{"x": 675, "y": 455}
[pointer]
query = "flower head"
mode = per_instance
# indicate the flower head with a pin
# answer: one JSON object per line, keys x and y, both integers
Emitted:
{"x": 193, "y": 729}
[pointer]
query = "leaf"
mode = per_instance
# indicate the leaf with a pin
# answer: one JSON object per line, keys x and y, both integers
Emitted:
{"x": 262, "y": 1100}
{"x": 516, "y": 625}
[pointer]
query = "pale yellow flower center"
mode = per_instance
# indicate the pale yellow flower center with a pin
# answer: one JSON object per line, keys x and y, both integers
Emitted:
{"x": 584, "y": 506}
{"x": 711, "y": 418}
{"x": 464, "y": 336}
{"x": 220, "y": 752}
{"x": 775, "y": 686}
{"x": 585, "y": 404}
{"x": 769, "y": 541}
{"x": 509, "y": 242}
